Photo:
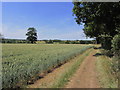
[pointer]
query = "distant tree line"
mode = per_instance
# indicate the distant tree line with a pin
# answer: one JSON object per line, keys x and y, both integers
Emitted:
{"x": 32, "y": 38}
{"x": 49, "y": 41}
{"x": 69, "y": 41}
{"x": 13, "y": 41}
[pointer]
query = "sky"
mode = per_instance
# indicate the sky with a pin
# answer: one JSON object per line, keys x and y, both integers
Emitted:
{"x": 37, "y": 0}
{"x": 52, "y": 20}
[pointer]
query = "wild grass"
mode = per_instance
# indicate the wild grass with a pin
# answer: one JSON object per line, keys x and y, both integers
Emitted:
{"x": 106, "y": 77}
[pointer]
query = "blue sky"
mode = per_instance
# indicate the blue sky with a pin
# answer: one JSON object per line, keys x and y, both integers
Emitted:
{"x": 52, "y": 20}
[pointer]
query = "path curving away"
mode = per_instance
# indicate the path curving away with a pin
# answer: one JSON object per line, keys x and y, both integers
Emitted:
{"x": 86, "y": 75}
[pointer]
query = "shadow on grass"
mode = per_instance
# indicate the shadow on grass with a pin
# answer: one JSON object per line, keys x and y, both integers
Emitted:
{"x": 98, "y": 54}
{"x": 98, "y": 48}
{"x": 103, "y": 53}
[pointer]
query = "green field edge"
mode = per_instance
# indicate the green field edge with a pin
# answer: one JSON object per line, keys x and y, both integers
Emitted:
{"x": 64, "y": 79}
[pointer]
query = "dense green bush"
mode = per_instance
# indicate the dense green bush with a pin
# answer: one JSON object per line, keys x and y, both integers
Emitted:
{"x": 116, "y": 50}
{"x": 116, "y": 45}
{"x": 106, "y": 42}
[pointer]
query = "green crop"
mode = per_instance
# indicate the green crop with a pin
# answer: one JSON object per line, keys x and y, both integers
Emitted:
{"x": 21, "y": 62}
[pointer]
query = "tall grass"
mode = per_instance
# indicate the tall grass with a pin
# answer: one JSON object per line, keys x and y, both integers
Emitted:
{"x": 21, "y": 62}
{"x": 104, "y": 68}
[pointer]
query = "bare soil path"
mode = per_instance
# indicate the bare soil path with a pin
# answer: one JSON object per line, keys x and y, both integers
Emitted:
{"x": 52, "y": 78}
{"x": 86, "y": 75}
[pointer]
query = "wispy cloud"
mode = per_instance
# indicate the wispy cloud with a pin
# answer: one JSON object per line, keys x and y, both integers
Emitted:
{"x": 13, "y": 33}
{"x": 49, "y": 25}
{"x": 66, "y": 34}
{"x": 45, "y": 33}
{"x": 73, "y": 35}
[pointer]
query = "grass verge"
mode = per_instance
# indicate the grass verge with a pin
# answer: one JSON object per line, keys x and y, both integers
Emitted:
{"x": 106, "y": 78}
{"x": 64, "y": 77}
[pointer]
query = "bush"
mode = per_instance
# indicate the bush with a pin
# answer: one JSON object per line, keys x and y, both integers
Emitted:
{"x": 106, "y": 43}
{"x": 116, "y": 45}
{"x": 116, "y": 50}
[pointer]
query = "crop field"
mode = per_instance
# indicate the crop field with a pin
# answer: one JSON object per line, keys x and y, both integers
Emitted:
{"x": 21, "y": 62}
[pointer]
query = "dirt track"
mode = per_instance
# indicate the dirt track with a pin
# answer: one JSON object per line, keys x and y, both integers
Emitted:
{"x": 50, "y": 78}
{"x": 86, "y": 76}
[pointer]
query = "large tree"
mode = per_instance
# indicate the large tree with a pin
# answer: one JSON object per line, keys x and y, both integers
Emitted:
{"x": 100, "y": 19}
{"x": 31, "y": 35}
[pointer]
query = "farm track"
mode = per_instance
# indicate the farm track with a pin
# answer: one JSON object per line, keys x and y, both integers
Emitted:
{"x": 86, "y": 75}
{"x": 51, "y": 78}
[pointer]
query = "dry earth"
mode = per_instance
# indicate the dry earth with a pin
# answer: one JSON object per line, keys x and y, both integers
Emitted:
{"x": 86, "y": 76}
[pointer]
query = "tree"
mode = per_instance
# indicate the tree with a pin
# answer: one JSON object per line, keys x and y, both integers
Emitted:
{"x": 32, "y": 35}
{"x": 50, "y": 41}
{"x": 100, "y": 19}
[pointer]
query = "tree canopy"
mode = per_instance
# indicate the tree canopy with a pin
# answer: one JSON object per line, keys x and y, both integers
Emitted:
{"x": 31, "y": 35}
{"x": 100, "y": 19}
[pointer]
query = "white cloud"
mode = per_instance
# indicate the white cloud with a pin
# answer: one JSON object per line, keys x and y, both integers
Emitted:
{"x": 45, "y": 32}
{"x": 78, "y": 35}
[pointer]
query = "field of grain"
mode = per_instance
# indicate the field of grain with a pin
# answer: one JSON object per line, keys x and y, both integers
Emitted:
{"x": 21, "y": 62}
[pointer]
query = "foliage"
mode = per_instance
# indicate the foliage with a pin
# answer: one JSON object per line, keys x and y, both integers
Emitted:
{"x": 102, "y": 17}
{"x": 116, "y": 50}
{"x": 21, "y": 62}
{"x": 69, "y": 41}
{"x": 50, "y": 41}
{"x": 32, "y": 35}
{"x": 14, "y": 41}
{"x": 106, "y": 42}
{"x": 99, "y": 18}
{"x": 116, "y": 44}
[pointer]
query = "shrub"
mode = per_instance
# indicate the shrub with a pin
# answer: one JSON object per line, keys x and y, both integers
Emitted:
{"x": 116, "y": 45}
{"x": 116, "y": 50}
{"x": 106, "y": 43}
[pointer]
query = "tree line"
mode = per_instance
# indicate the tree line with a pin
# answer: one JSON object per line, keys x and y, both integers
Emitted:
{"x": 32, "y": 38}
{"x": 49, "y": 41}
